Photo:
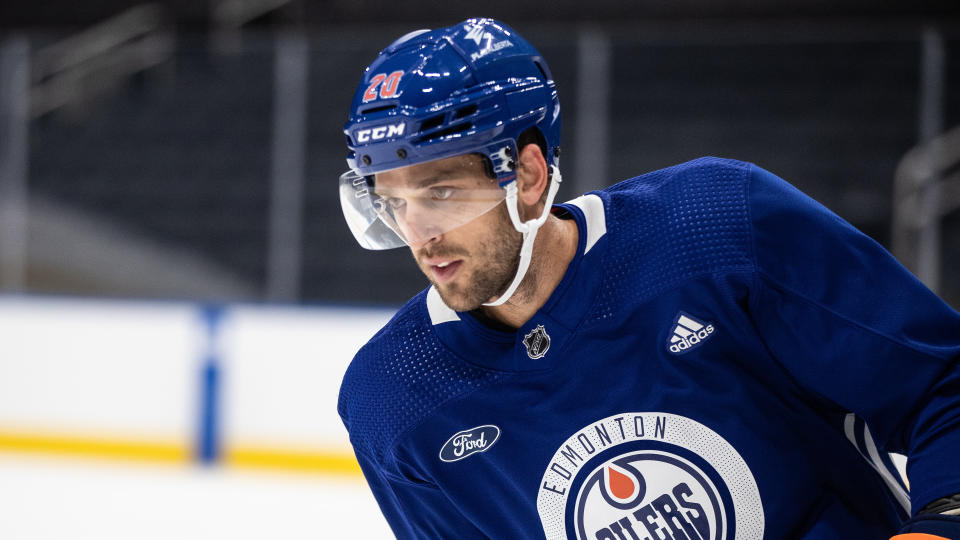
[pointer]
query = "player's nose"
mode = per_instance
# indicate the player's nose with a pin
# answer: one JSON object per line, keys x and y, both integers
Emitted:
{"x": 420, "y": 227}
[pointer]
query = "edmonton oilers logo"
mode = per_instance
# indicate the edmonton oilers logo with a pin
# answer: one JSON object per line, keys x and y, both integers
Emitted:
{"x": 649, "y": 494}
{"x": 648, "y": 476}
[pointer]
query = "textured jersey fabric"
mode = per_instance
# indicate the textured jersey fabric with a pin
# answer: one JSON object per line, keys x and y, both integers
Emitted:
{"x": 724, "y": 358}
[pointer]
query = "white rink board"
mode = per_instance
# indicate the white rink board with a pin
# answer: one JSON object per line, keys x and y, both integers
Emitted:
{"x": 133, "y": 370}
{"x": 127, "y": 369}
{"x": 99, "y": 367}
{"x": 282, "y": 372}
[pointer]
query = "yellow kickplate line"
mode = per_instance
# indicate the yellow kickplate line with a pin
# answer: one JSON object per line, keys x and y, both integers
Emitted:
{"x": 340, "y": 463}
{"x": 101, "y": 447}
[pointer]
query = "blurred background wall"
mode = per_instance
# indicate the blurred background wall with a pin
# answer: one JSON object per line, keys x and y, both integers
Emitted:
{"x": 190, "y": 150}
{"x": 177, "y": 285}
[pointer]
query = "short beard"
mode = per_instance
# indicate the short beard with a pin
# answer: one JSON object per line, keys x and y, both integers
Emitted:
{"x": 497, "y": 260}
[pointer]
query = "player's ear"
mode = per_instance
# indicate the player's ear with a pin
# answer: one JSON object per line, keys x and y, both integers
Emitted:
{"x": 531, "y": 176}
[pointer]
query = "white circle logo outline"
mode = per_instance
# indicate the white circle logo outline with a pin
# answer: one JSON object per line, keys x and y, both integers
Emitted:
{"x": 566, "y": 464}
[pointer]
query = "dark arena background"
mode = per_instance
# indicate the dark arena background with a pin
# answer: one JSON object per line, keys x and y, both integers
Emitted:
{"x": 196, "y": 145}
{"x": 177, "y": 284}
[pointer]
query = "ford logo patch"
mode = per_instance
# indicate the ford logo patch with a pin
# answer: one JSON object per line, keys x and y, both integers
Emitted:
{"x": 466, "y": 443}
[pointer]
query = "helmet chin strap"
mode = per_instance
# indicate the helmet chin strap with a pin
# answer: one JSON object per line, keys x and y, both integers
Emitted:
{"x": 528, "y": 229}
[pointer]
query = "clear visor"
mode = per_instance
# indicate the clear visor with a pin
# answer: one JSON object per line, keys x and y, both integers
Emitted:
{"x": 409, "y": 206}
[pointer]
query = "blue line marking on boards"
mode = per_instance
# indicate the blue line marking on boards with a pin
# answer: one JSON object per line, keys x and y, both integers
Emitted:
{"x": 208, "y": 432}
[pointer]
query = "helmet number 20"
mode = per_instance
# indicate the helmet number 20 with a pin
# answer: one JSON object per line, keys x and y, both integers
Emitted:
{"x": 388, "y": 89}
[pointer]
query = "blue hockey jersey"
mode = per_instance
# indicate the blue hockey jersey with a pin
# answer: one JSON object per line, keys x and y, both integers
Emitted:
{"x": 724, "y": 359}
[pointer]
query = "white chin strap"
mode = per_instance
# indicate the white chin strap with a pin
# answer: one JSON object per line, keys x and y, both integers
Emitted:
{"x": 528, "y": 229}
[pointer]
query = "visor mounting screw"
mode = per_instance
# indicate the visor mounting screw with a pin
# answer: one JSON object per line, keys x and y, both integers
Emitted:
{"x": 366, "y": 160}
{"x": 401, "y": 153}
{"x": 507, "y": 151}
{"x": 556, "y": 152}
{"x": 511, "y": 165}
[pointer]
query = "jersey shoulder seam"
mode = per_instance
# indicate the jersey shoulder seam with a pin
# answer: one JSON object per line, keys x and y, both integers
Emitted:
{"x": 763, "y": 274}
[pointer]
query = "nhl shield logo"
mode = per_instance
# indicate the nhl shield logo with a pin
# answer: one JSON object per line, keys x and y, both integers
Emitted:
{"x": 537, "y": 342}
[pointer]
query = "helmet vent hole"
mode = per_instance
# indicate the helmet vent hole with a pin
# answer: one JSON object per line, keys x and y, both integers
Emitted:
{"x": 432, "y": 122}
{"x": 542, "y": 71}
{"x": 465, "y": 111}
{"x": 452, "y": 130}
{"x": 372, "y": 110}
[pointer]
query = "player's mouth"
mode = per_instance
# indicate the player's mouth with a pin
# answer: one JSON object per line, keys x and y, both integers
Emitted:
{"x": 443, "y": 271}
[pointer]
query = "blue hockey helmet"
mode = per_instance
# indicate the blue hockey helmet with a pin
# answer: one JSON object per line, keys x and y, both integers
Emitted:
{"x": 471, "y": 87}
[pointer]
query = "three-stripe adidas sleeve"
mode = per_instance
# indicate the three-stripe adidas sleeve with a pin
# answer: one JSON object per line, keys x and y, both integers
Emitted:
{"x": 856, "y": 328}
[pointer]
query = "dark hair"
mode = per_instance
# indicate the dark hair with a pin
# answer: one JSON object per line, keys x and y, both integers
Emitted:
{"x": 533, "y": 136}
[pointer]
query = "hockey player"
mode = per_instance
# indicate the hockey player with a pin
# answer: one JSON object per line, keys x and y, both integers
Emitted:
{"x": 700, "y": 353}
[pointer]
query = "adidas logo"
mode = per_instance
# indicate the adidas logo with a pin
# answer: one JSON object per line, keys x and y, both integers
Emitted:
{"x": 688, "y": 333}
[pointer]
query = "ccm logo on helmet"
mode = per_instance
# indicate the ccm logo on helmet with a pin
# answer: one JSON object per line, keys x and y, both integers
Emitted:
{"x": 380, "y": 132}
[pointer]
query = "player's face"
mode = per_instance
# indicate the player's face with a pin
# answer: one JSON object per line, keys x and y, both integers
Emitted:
{"x": 468, "y": 263}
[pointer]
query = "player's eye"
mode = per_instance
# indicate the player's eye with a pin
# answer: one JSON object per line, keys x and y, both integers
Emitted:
{"x": 395, "y": 203}
{"x": 440, "y": 193}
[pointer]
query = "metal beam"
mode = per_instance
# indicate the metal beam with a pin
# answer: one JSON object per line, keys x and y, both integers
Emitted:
{"x": 593, "y": 111}
{"x": 933, "y": 80}
{"x": 14, "y": 131}
{"x": 287, "y": 167}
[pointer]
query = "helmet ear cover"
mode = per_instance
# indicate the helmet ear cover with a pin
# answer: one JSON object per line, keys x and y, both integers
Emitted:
{"x": 531, "y": 136}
